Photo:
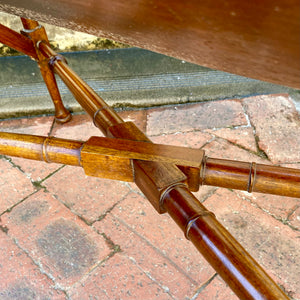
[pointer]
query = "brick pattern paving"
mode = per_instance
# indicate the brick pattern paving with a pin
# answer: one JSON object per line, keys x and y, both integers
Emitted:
{"x": 68, "y": 236}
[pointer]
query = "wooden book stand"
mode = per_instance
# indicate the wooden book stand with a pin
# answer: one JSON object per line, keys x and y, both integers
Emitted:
{"x": 165, "y": 174}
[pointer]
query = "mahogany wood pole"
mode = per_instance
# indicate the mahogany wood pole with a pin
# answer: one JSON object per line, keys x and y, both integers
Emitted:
{"x": 251, "y": 177}
{"x": 48, "y": 149}
{"x": 37, "y": 33}
{"x": 17, "y": 41}
{"x": 232, "y": 262}
{"x": 162, "y": 182}
{"x": 103, "y": 116}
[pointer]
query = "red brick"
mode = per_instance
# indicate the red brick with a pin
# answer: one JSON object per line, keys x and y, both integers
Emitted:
{"x": 35, "y": 170}
{"x": 132, "y": 187}
{"x": 273, "y": 244}
{"x": 138, "y": 117}
{"x": 88, "y": 197}
{"x": 38, "y": 125}
{"x": 204, "y": 192}
{"x": 162, "y": 232}
{"x": 294, "y": 218}
{"x": 222, "y": 149}
{"x": 81, "y": 127}
{"x": 242, "y": 136}
{"x": 216, "y": 114}
{"x": 293, "y": 166}
{"x": 277, "y": 126}
{"x": 186, "y": 139}
{"x": 62, "y": 245}
{"x": 278, "y": 206}
{"x": 119, "y": 278}
{"x": 217, "y": 290}
{"x": 20, "y": 277}
{"x": 14, "y": 185}
{"x": 165, "y": 272}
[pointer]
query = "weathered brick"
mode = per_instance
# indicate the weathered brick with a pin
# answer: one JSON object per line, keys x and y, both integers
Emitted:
{"x": 153, "y": 261}
{"x": 37, "y": 125}
{"x": 14, "y": 185}
{"x": 192, "y": 117}
{"x": 223, "y": 149}
{"x": 241, "y": 136}
{"x": 163, "y": 234}
{"x": 81, "y": 127}
{"x": 88, "y": 197}
{"x": 278, "y": 206}
{"x": 294, "y": 218}
{"x": 184, "y": 139}
{"x": 119, "y": 278}
{"x": 63, "y": 246}
{"x": 35, "y": 170}
{"x": 273, "y": 244}
{"x": 20, "y": 277}
{"x": 138, "y": 117}
{"x": 217, "y": 290}
{"x": 277, "y": 126}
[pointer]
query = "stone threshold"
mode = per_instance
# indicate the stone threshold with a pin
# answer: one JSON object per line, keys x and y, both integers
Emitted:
{"x": 126, "y": 78}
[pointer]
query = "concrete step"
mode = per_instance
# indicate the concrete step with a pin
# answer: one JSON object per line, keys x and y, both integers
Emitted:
{"x": 124, "y": 78}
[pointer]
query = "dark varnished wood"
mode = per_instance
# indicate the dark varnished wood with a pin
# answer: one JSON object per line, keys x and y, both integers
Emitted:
{"x": 219, "y": 247}
{"x": 42, "y": 148}
{"x": 251, "y": 177}
{"x": 27, "y": 43}
{"x": 113, "y": 158}
{"x": 17, "y": 41}
{"x": 257, "y": 39}
{"x": 37, "y": 33}
{"x": 103, "y": 116}
{"x": 151, "y": 177}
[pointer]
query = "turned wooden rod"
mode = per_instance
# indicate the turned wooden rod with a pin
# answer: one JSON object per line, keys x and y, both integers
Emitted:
{"x": 251, "y": 177}
{"x": 48, "y": 149}
{"x": 121, "y": 153}
{"x": 232, "y": 262}
{"x": 17, "y": 41}
{"x": 103, "y": 116}
{"x": 36, "y": 33}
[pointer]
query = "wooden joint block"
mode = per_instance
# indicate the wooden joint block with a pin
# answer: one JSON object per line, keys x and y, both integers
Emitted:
{"x": 112, "y": 158}
{"x": 100, "y": 159}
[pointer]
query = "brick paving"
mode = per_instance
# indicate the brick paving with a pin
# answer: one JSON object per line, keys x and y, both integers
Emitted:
{"x": 68, "y": 236}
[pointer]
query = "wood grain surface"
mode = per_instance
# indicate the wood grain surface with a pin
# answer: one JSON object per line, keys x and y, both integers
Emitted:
{"x": 257, "y": 39}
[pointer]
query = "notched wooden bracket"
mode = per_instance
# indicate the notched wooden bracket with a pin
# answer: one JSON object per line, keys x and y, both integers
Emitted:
{"x": 112, "y": 158}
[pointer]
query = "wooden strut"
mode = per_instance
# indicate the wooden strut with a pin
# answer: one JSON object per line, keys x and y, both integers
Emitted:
{"x": 113, "y": 159}
{"x": 164, "y": 179}
{"x": 36, "y": 33}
